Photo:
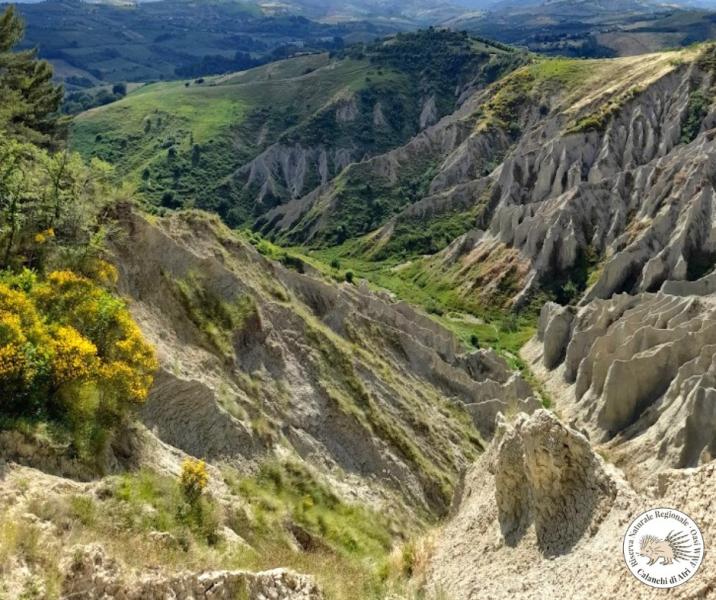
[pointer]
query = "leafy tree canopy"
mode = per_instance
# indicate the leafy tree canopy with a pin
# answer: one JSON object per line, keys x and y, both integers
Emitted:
{"x": 29, "y": 100}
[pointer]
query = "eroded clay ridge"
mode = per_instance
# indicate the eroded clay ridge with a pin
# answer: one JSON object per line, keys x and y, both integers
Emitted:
{"x": 348, "y": 378}
{"x": 543, "y": 516}
{"x": 637, "y": 373}
{"x": 604, "y": 166}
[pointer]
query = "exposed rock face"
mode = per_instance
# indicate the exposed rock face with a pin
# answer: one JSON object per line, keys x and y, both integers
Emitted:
{"x": 630, "y": 192}
{"x": 429, "y": 113}
{"x": 282, "y": 172}
{"x": 638, "y": 372}
{"x": 354, "y": 382}
{"x": 555, "y": 328}
{"x": 91, "y": 575}
{"x": 347, "y": 110}
{"x": 548, "y": 475}
{"x": 543, "y": 516}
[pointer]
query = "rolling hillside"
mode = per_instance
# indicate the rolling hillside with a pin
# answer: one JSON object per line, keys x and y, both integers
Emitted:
{"x": 603, "y": 29}
{"x": 90, "y": 43}
{"x": 241, "y": 144}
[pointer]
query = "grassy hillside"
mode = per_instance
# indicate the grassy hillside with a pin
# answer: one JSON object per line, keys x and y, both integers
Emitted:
{"x": 181, "y": 142}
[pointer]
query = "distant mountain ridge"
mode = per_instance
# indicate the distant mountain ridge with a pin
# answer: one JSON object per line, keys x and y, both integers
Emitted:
{"x": 600, "y": 29}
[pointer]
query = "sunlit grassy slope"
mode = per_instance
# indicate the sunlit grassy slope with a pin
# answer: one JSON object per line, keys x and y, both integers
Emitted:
{"x": 133, "y": 132}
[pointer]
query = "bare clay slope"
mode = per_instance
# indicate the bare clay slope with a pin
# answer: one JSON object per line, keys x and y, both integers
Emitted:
{"x": 634, "y": 377}
{"x": 259, "y": 359}
{"x": 302, "y": 395}
{"x": 543, "y": 516}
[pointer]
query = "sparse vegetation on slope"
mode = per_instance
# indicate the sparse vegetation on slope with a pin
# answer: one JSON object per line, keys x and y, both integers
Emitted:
{"x": 283, "y": 516}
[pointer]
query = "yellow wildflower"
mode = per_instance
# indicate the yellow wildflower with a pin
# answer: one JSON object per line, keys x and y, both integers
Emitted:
{"x": 43, "y": 236}
{"x": 12, "y": 362}
{"x": 73, "y": 356}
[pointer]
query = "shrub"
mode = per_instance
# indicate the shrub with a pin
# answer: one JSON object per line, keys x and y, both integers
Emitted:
{"x": 50, "y": 204}
{"x": 193, "y": 479}
{"x": 119, "y": 89}
{"x": 71, "y": 353}
{"x": 696, "y": 111}
{"x": 349, "y": 276}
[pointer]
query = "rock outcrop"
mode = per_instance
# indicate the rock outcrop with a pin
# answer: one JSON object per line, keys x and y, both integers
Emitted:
{"x": 91, "y": 575}
{"x": 548, "y": 475}
{"x": 543, "y": 516}
{"x": 637, "y": 373}
{"x": 283, "y": 172}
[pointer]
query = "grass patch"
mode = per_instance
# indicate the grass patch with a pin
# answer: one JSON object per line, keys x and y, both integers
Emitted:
{"x": 500, "y": 329}
{"x": 602, "y": 116}
{"x": 217, "y": 318}
{"x": 287, "y": 516}
{"x": 281, "y": 491}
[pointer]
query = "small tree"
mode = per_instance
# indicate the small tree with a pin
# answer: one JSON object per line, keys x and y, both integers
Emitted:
{"x": 119, "y": 89}
{"x": 349, "y": 276}
{"x": 29, "y": 100}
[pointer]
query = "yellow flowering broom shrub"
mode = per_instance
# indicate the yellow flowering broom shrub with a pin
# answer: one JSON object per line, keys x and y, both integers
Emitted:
{"x": 193, "y": 479}
{"x": 71, "y": 353}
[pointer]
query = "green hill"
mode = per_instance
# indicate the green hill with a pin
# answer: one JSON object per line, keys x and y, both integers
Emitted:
{"x": 240, "y": 144}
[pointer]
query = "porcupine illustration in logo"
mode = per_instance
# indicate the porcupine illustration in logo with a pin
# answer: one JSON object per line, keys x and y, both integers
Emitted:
{"x": 675, "y": 547}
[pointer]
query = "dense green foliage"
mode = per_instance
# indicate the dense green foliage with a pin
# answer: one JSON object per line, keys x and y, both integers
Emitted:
{"x": 440, "y": 60}
{"x": 699, "y": 100}
{"x": 363, "y": 202}
{"x": 70, "y": 354}
{"x": 180, "y": 142}
{"x": 88, "y": 97}
{"x": 427, "y": 235}
{"x": 28, "y": 97}
{"x": 183, "y": 143}
{"x": 696, "y": 110}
